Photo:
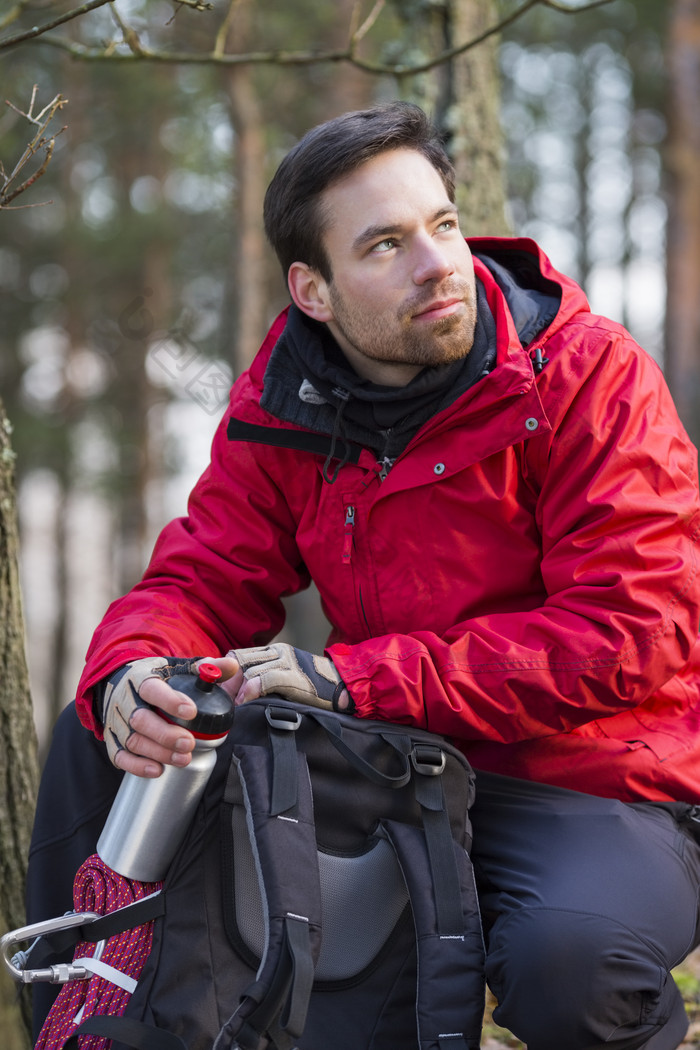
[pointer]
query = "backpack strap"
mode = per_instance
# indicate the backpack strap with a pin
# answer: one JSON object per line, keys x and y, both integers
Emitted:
{"x": 440, "y": 882}
{"x": 129, "y": 1032}
{"x": 275, "y": 1005}
{"x": 428, "y": 761}
{"x": 333, "y": 726}
{"x": 60, "y": 934}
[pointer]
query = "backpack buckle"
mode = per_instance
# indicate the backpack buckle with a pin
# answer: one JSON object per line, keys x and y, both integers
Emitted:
{"x": 283, "y": 718}
{"x": 428, "y": 759}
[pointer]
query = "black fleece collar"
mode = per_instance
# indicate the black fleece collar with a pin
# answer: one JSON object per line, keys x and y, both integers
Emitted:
{"x": 309, "y": 381}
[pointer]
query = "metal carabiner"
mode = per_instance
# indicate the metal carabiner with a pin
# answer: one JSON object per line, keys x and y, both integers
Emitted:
{"x": 16, "y": 964}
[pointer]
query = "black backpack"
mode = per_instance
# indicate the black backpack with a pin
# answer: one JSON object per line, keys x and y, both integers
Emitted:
{"x": 323, "y": 898}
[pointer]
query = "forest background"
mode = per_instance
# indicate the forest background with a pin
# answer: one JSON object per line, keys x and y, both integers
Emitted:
{"x": 135, "y": 282}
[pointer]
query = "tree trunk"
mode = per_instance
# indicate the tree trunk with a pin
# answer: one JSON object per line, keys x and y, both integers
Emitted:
{"x": 245, "y": 313}
{"x": 18, "y": 761}
{"x": 471, "y": 115}
{"x": 141, "y": 457}
{"x": 683, "y": 231}
{"x": 248, "y": 264}
{"x": 463, "y": 98}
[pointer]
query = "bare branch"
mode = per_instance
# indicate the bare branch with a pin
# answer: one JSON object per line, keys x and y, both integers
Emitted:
{"x": 40, "y": 141}
{"x": 5, "y": 198}
{"x": 36, "y": 31}
{"x": 196, "y": 5}
{"x": 494, "y": 30}
{"x": 369, "y": 21}
{"x": 220, "y": 42}
{"x": 137, "y": 52}
{"x": 130, "y": 36}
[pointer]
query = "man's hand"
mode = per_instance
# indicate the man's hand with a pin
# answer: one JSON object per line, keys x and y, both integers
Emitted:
{"x": 293, "y": 673}
{"x": 139, "y": 740}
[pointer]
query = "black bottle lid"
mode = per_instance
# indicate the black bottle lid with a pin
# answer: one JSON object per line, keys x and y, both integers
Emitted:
{"x": 215, "y": 707}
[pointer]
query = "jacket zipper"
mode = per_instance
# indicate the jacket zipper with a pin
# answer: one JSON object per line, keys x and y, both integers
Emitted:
{"x": 364, "y": 614}
{"x": 348, "y": 528}
{"x": 385, "y": 466}
{"x": 348, "y": 543}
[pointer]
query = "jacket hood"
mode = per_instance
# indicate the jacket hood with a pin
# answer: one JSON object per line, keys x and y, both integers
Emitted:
{"x": 532, "y": 308}
{"x": 539, "y": 298}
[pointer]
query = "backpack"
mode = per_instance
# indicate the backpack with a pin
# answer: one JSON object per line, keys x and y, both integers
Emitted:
{"x": 323, "y": 898}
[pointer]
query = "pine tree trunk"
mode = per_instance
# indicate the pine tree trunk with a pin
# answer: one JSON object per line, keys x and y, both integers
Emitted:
{"x": 18, "y": 761}
{"x": 248, "y": 263}
{"x": 463, "y": 98}
{"x": 472, "y": 116}
{"x": 245, "y": 308}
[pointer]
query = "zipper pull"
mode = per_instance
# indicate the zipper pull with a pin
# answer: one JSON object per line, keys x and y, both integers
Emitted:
{"x": 385, "y": 466}
{"x": 349, "y": 526}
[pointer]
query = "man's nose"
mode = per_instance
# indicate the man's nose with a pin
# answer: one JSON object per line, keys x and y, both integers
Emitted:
{"x": 432, "y": 262}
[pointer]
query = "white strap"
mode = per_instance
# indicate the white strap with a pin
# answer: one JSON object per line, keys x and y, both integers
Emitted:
{"x": 109, "y": 973}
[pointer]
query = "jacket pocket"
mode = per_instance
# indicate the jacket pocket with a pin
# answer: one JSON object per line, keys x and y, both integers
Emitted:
{"x": 642, "y": 729}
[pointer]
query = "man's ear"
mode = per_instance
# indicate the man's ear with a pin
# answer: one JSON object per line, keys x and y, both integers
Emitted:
{"x": 309, "y": 291}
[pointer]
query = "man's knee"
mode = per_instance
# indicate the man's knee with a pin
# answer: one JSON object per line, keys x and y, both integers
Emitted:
{"x": 574, "y": 980}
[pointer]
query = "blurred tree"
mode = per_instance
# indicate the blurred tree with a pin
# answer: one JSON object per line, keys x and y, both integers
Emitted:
{"x": 256, "y": 103}
{"x": 18, "y": 760}
{"x": 603, "y": 125}
{"x": 247, "y": 264}
{"x": 583, "y": 110}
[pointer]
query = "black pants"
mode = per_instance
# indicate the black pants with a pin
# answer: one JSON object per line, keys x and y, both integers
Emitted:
{"x": 587, "y": 903}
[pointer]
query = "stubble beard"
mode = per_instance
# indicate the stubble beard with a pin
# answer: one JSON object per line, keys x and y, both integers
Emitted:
{"x": 424, "y": 344}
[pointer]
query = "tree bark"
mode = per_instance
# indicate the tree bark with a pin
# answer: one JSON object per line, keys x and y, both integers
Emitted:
{"x": 463, "y": 97}
{"x": 245, "y": 311}
{"x": 472, "y": 117}
{"x": 683, "y": 231}
{"x": 248, "y": 263}
{"x": 18, "y": 761}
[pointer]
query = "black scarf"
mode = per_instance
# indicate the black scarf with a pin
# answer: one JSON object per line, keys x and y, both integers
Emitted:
{"x": 309, "y": 381}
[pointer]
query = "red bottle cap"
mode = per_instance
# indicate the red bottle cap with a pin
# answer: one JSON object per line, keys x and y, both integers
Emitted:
{"x": 209, "y": 672}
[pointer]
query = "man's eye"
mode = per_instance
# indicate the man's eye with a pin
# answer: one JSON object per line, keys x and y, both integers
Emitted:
{"x": 447, "y": 224}
{"x": 384, "y": 246}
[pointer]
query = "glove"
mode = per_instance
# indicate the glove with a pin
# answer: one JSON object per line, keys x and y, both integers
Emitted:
{"x": 294, "y": 674}
{"x": 122, "y": 699}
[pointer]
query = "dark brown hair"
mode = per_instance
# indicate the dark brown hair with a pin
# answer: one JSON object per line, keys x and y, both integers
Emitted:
{"x": 294, "y": 221}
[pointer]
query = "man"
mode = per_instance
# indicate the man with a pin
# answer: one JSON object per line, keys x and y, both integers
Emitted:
{"x": 491, "y": 489}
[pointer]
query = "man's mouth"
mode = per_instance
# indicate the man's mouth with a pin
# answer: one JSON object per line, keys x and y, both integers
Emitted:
{"x": 439, "y": 308}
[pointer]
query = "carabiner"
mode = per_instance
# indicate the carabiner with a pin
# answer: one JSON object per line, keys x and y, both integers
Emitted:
{"x": 16, "y": 964}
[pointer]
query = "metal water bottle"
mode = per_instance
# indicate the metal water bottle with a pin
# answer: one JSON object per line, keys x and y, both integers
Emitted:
{"x": 149, "y": 817}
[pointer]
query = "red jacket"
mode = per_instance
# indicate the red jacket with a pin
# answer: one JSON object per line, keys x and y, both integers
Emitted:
{"x": 524, "y": 580}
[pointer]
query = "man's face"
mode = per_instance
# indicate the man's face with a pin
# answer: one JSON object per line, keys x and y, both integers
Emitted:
{"x": 402, "y": 295}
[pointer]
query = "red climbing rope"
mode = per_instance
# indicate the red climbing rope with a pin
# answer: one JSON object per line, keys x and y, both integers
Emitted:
{"x": 99, "y": 889}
